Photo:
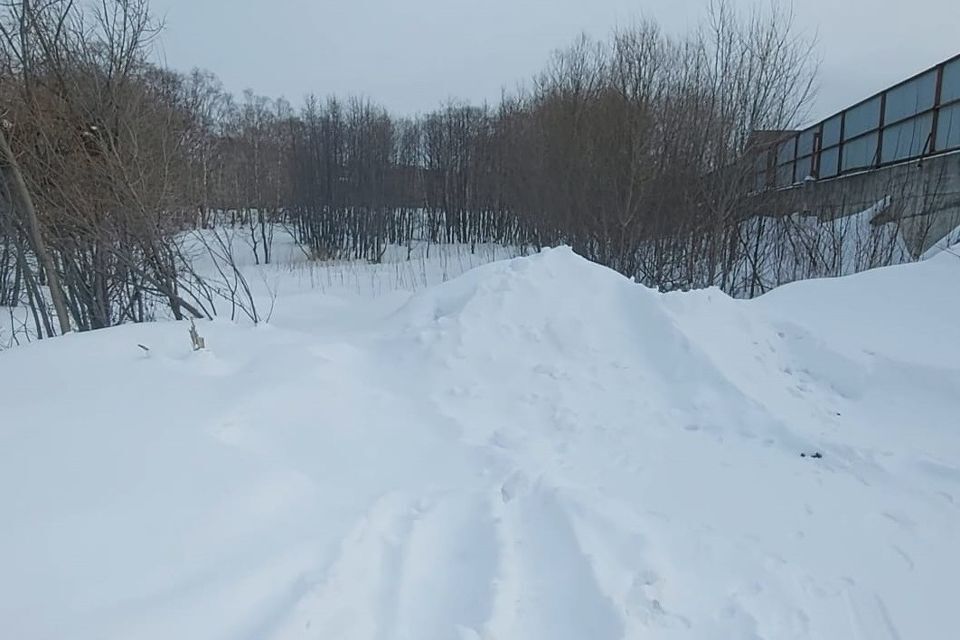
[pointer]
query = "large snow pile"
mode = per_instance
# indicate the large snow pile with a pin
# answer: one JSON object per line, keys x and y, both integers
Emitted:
{"x": 539, "y": 449}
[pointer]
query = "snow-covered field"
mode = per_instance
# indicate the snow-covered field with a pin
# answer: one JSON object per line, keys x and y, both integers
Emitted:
{"x": 538, "y": 449}
{"x": 292, "y": 287}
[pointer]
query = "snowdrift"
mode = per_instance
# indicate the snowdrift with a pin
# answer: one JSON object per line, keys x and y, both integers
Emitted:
{"x": 537, "y": 449}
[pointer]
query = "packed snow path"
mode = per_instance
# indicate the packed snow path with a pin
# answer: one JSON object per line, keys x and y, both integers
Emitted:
{"x": 539, "y": 449}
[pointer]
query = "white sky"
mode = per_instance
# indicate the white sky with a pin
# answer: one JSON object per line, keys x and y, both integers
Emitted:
{"x": 414, "y": 55}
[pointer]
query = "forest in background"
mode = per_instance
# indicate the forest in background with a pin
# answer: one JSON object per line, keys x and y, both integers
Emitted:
{"x": 637, "y": 151}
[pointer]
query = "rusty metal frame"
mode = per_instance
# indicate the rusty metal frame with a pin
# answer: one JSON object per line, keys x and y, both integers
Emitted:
{"x": 883, "y": 125}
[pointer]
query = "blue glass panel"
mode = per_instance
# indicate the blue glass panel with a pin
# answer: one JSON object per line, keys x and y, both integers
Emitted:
{"x": 831, "y": 131}
{"x": 948, "y": 128}
{"x": 859, "y": 153}
{"x": 805, "y": 142}
{"x": 785, "y": 151}
{"x": 828, "y": 162}
{"x": 862, "y": 118}
{"x": 907, "y": 139}
{"x": 785, "y": 175}
{"x": 950, "y": 90}
{"x": 804, "y": 167}
{"x": 910, "y": 98}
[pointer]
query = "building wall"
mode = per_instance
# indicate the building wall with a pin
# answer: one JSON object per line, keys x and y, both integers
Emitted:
{"x": 923, "y": 196}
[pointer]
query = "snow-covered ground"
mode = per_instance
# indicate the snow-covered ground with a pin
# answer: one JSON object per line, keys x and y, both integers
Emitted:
{"x": 538, "y": 449}
{"x": 292, "y": 287}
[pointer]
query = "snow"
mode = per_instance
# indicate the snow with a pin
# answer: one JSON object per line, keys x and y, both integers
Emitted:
{"x": 943, "y": 244}
{"x": 292, "y": 283}
{"x": 538, "y": 448}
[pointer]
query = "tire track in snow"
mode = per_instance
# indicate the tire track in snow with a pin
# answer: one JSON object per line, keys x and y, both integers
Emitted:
{"x": 547, "y": 587}
{"x": 869, "y": 616}
{"x": 411, "y": 569}
{"x": 447, "y": 570}
{"x": 341, "y": 603}
{"x": 621, "y": 558}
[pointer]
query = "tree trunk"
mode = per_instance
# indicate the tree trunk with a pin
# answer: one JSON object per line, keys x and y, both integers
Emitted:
{"x": 33, "y": 229}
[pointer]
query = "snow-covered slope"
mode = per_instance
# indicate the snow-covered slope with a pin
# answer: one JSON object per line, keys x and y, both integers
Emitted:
{"x": 539, "y": 449}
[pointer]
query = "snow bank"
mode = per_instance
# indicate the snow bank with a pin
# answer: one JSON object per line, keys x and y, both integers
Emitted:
{"x": 539, "y": 448}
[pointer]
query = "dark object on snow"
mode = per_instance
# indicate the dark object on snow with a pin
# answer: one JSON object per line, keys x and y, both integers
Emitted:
{"x": 817, "y": 455}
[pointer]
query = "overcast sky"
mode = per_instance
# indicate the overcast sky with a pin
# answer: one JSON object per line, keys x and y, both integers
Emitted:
{"x": 413, "y": 55}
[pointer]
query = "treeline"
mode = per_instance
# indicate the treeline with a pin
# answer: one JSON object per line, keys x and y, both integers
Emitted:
{"x": 636, "y": 151}
{"x": 98, "y": 145}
